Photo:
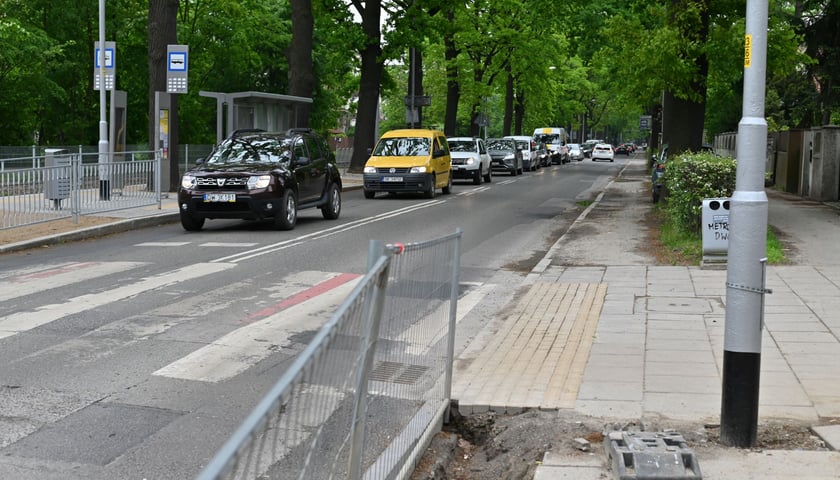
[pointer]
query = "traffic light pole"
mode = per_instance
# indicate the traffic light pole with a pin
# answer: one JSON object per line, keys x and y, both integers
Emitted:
{"x": 747, "y": 247}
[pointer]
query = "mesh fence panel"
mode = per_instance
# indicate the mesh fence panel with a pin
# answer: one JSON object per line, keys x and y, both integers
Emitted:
{"x": 393, "y": 335}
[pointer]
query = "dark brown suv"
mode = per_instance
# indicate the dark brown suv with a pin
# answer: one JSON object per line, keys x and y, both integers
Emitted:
{"x": 255, "y": 175}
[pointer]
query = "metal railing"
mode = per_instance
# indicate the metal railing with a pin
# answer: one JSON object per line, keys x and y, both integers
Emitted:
{"x": 365, "y": 397}
{"x": 64, "y": 185}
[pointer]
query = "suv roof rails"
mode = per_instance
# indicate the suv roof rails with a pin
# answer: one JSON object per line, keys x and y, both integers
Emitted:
{"x": 292, "y": 131}
{"x": 245, "y": 131}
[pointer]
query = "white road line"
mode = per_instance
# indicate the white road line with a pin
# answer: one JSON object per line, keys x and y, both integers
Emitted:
{"x": 245, "y": 347}
{"x": 35, "y": 281}
{"x": 23, "y": 321}
{"x": 162, "y": 244}
{"x": 506, "y": 182}
{"x": 238, "y": 257}
{"x": 473, "y": 191}
{"x": 228, "y": 245}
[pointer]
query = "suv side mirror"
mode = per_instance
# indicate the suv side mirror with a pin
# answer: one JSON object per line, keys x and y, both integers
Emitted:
{"x": 439, "y": 153}
{"x": 302, "y": 161}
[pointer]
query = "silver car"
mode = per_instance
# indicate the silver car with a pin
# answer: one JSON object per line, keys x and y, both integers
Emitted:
{"x": 470, "y": 159}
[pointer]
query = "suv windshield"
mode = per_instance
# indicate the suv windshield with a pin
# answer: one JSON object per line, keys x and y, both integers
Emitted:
{"x": 500, "y": 145}
{"x": 549, "y": 138}
{"x": 402, "y": 147}
{"x": 254, "y": 150}
{"x": 462, "y": 146}
{"x": 523, "y": 144}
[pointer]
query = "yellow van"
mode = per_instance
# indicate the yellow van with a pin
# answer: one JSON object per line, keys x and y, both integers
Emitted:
{"x": 409, "y": 160}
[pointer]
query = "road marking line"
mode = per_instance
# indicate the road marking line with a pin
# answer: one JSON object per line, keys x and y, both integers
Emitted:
{"x": 23, "y": 321}
{"x": 59, "y": 276}
{"x": 232, "y": 245}
{"x": 244, "y": 347}
{"x": 238, "y": 257}
{"x": 162, "y": 244}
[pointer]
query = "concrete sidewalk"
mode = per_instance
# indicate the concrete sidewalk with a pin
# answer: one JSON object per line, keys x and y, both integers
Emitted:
{"x": 606, "y": 334}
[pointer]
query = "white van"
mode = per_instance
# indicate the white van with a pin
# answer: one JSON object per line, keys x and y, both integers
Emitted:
{"x": 554, "y": 139}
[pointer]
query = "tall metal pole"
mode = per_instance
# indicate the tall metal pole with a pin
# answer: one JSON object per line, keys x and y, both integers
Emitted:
{"x": 104, "y": 188}
{"x": 747, "y": 247}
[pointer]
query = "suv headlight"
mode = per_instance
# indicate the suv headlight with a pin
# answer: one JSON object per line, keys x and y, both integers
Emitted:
{"x": 417, "y": 170}
{"x": 188, "y": 181}
{"x": 510, "y": 156}
{"x": 369, "y": 170}
{"x": 258, "y": 181}
{"x": 470, "y": 161}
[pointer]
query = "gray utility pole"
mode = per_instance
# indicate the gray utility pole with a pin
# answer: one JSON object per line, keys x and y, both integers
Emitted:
{"x": 747, "y": 247}
{"x": 104, "y": 187}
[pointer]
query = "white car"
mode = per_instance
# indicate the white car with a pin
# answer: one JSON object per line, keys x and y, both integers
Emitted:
{"x": 470, "y": 159}
{"x": 530, "y": 155}
{"x": 603, "y": 151}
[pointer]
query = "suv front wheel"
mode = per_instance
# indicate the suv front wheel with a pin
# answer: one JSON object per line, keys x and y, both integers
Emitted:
{"x": 191, "y": 223}
{"x": 286, "y": 217}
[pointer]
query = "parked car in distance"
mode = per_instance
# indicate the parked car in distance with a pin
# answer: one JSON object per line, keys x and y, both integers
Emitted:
{"x": 543, "y": 156}
{"x": 603, "y": 151}
{"x": 256, "y": 175}
{"x": 555, "y": 141}
{"x": 409, "y": 160}
{"x": 657, "y": 176}
{"x": 623, "y": 149}
{"x": 528, "y": 147}
{"x": 504, "y": 155}
{"x": 470, "y": 159}
{"x": 588, "y": 146}
{"x": 575, "y": 152}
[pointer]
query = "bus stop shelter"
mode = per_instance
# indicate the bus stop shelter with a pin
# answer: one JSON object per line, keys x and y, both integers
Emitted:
{"x": 267, "y": 111}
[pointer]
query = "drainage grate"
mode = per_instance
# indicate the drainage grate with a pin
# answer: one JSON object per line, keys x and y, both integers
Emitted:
{"x": 401, "y": 373}
{"x": 657, "y": 455}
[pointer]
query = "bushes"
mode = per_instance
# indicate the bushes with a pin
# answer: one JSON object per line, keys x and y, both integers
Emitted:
{"x": 691, "y": 177}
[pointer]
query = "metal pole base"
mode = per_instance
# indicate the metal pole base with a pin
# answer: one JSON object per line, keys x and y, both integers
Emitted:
{"x": 739, "y": 402}
{"x": 104, "y": 190}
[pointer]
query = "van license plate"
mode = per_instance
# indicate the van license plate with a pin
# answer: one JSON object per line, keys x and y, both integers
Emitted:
{"x": 392, "y": 179}
{"x": 219, "y": 197}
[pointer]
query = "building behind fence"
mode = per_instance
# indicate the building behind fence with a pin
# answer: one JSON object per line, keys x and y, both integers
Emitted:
{"x": 365, "y": 397}
{"x": 805, "y": 162}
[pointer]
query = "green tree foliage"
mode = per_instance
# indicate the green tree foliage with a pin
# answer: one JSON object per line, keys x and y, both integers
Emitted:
{"x": 26, "y": 54}
{"x": 574, "y": 64}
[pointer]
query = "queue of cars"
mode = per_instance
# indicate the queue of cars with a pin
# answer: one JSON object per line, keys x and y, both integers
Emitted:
{"x": 254, "y": 174}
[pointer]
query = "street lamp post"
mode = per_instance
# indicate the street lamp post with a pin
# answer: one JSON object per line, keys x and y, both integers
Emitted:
{"x": 747, "y": 248}
{"x": 104, "y": 187}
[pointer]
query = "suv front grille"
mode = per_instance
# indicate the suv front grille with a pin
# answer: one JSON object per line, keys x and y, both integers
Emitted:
{"x": 221, "y": 183}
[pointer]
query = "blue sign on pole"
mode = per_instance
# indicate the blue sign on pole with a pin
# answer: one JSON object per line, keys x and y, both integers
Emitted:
{"x": 177, "y": 68}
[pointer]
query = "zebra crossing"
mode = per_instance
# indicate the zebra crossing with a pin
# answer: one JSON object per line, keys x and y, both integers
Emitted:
{"x": 224, "y": 331}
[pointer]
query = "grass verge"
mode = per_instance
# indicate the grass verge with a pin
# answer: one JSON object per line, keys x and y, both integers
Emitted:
{"x": 679, "y": 247}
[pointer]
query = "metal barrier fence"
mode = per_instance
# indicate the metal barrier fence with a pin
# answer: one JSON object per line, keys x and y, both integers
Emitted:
{"x": 365, "y": 397}
{"x": 67, "y": 185}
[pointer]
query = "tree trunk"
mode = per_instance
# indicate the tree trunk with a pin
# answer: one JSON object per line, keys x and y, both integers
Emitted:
{"x": 366, "y": 115}
{"x": 299, "y": 56}
{"x": 507, "y": 121}
{"x": 453, "y": 87}
{"x": 683, "y": 120}
{"x": 162, "y": 31}
{"x": 518, "y": 112}
{"x": 415, "y": 84}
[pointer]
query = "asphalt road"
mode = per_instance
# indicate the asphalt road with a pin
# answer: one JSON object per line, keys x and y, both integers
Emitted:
{"x": 109, "y": 370}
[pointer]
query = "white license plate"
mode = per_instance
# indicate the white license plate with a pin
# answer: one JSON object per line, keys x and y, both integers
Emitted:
{"x": 219, "y": 197}
{"x": 392, "y": 179}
